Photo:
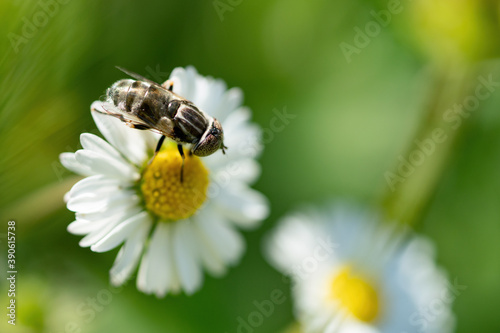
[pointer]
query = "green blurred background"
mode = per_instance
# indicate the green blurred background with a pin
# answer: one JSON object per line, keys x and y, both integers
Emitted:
{"x": 353, "y": 119}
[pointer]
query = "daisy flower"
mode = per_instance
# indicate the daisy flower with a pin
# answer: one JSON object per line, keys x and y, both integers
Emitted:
{"x": 171, "y": 229}
{"x": 351, "y": 273}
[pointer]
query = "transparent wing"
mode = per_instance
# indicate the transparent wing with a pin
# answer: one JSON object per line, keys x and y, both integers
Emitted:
{"x": 137, "y": 76}
{"x": 128, "y": 118}
{"x": 164, "y": 126}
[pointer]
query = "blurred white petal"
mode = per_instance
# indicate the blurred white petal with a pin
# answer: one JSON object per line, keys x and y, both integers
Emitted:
{"x": 156, "y": 272}
{"x": 129, "y": 255}
{"x": 186, "y": 257}
{"x": 242, "y": 205}
{"x": 314, "y": 246}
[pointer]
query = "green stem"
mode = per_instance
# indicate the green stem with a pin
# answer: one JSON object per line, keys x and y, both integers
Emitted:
{"x": 413, "y": 181}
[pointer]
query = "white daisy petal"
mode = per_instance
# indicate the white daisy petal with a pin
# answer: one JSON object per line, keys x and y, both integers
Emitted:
{"x": 209, "y": 97}
{"x": 244, "y": 137}
{"x": 248, "y": 171}
{"x": 142, "y": 282}
{"x": 94, "y": 143}
{"x": 208, "y": 252}
{"x": 111, "y": 209}
{"x": 242, "y": 171}
{"x": 130, "y": 142}
{"x": 237, "y": 120}
{"x": 94, "y": 184}
{"x": 294, "y": 240}
{"x": 121, "y": 232}
{"x": 116, "y": 205}
{"x": 219, "y": 237}
{"x": 96, "y": 235}
{"x": 82, "y": 227}
{"x": 243, "y": 141}
{"x": 93, "y": 202}
{"x": 69, "y": 161}
{"x": 383, "y": 286}
{"x": 201, "y": 92}
{"x": 158, "y": 246}
{"x": 186, "y": 257}
{"x": 129, "y": 254}
{"x": 156, "y": 273}
{"x": 184, "y": 82}
{"x": 231, "y": 101}
{"x": 105, "y": 165}
{"x": 242, "y": 205}
{"x": 87, "y": 203}
{"x": 209, "y": 256}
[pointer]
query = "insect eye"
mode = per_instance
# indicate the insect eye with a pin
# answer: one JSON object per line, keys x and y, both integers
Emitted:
{"x": 208, "y": 146}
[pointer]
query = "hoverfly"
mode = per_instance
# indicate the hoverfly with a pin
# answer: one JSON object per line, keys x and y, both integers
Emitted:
{"x": 146, "y": 105}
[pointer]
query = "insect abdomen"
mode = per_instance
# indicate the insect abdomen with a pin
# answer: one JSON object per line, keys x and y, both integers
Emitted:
{"x": 117, "y": 93}
{"x": 147, "y": 102}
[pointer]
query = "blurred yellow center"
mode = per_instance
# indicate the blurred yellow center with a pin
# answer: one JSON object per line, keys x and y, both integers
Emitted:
{"x": 164, "y": 193}
{"x": 356, "y": 295}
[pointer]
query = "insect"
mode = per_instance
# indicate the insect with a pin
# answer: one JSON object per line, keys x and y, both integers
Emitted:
{"x": 146, "y": 105}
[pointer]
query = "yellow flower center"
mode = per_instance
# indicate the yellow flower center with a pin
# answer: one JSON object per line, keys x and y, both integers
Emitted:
{"x": 356, "y": 295}
{"x": 164, "y": 193}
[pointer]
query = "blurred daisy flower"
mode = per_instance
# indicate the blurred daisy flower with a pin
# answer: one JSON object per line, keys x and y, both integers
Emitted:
{"x": 352, "y": 274}
{"x": 170, "y": 229}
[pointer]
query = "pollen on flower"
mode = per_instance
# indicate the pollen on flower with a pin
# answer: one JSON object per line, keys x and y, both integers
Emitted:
{"x": 355, "y": 295}
{"x": 164, "y": 193}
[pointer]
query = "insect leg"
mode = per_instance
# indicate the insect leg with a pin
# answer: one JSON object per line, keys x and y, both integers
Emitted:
{"x": 159, "y": 144}
{"x": 158, "y": 147}
{"x": 169, "y": 85}
{"x": 181, "y": 151}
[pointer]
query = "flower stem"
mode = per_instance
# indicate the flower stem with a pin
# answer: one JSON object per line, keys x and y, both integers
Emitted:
{"x": 413, "y": 181}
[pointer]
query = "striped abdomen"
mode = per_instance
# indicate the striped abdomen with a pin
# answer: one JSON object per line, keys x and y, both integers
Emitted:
{"x": 161, "y": 109}
{"x": 147, "y": 102}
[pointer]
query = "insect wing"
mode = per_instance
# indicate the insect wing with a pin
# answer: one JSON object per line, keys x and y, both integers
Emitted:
{"x": 164, "y": 126}
{"x": 127, "y": 117}
{"x": 137, "y": 76}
